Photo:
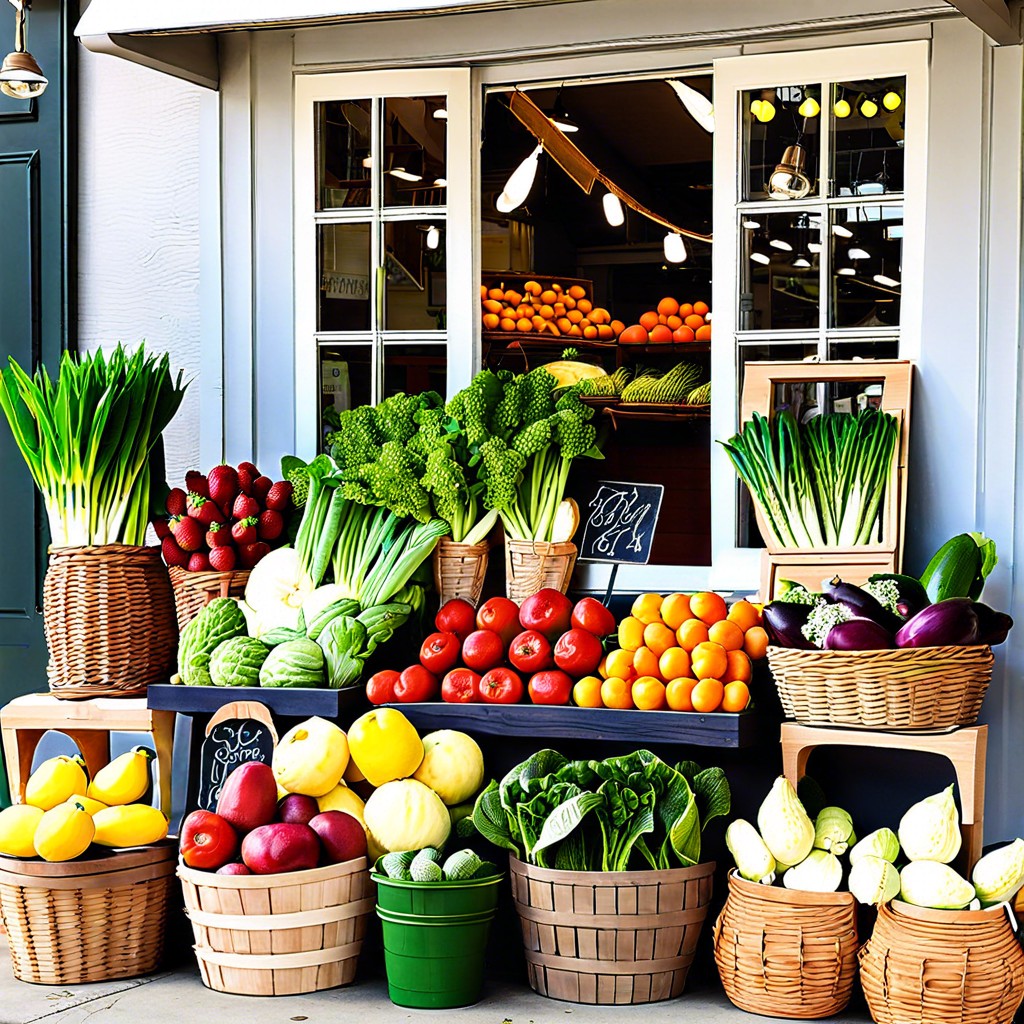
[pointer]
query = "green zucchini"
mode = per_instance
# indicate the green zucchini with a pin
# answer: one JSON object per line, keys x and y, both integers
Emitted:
{"x": 954, "y": 569}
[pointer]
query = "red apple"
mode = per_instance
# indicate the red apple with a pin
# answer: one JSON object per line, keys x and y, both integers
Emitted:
{"x": 297, "y": 809}
{"x": 270, "y": 849}
{"x": 578, "y": 652}
{"x": 550, "y": 688}
{"x": 234, "y": 868}
{"x": 341, "y": 836}
{"x": 482, "y": 650}
{"x": 248, "y": 797}
{"x": 440, "y": 653}
{"x": 548, "y": 611}
{"x": 502, "y": 616}
{"x": 456, "y": 616}
{"x": 460, "y": 686}
{"x": 594, "y": 617}
{"x": 530, "y": 652}
{"x": 416, "y": 684}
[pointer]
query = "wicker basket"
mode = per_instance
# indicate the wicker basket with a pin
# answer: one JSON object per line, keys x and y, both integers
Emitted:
{"x": 194, "y": 590}
{"x": 786, "y": 953}
{"x": 942, "y": 966}
{"x": 909, "y": 688}
{"x": 87, "y": 920}
{"x": 531, "y": 565}
{"x": 274, "y": 935}
{"x": 108, "y": 613}
{"x": 459, "y": 570}
{"x": 610, "y": 937}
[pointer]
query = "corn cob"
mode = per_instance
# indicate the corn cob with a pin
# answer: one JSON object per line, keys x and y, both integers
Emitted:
{"x": 700, "y": 396}
{"x": 670, "y": 388}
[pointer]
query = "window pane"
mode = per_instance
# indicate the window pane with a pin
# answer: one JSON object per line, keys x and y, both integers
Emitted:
{"x": 346, "y": 374}
{"x": 867, "y": 141}
{"x": 414, "y": 282}
{"x": 781, "y": 141}
{"x": 779, "y": 271}
{"x": 867, "y": 262}
{"x": 415, "y": 368}
{"x": 344, "y": 277}
{"x": 343, "y": 154}
{"x": 415, "y": 133}
{"x": 864, "y": 348}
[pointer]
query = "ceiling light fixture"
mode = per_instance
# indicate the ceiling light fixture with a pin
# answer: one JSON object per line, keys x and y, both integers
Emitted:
{"x": 763, "y": 110}
{"x": 21, "y": 78}
{"x": 842, "y": 231}
{"x": 433, "y": 236}
{"x": 520, "y": 182}
{"x": 403, "y": 175}
{"x": 801, "y": 262}
{"x": 892, "y": 101}
{"x": 778, "y": 243}
{"x": 675, "y": 248}
{"x": 441, "y": 114}
{"x": 751, "y": 225}
{"x": 440, "y": 183}
{"x": 760, "y": 257}
{"x": 847, "y": 272}
{"x": 698, "y": 106}
{"x": 841, "y": 109}
{"x": 367, "y": 162}
{"x": 564, "y": 123}
{"x": 613, "y": 211}
{"x": 789, "y": 179}
{"x": 869, "y": 108}
{"x": 814, "y": 247}
{"x": 888, "y": 282}
{"x": 859, "y": 254}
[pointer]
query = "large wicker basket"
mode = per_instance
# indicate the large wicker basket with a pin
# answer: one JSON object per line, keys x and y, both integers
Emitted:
{"x": 531, "y": 565}
{"x": 194, "y": 590}
{"x": 108, "y": 613}
{"x": 942, "y": 966}
{"x": 909, "y": 688}
{"x": 610, "y": 937}
{"x": 785, "y": 953}
{"x": 268, "y": 935}
{"x": 459, "y": 570}
{"x": 87, "y": 920}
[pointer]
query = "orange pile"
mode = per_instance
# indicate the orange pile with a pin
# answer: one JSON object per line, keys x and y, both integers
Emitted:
{"x": 684, "y": 652}
{"x": 547, "y": 310}
{"x": 672, "y": 322}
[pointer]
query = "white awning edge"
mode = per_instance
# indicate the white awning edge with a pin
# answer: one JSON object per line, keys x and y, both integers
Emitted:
{"x": 192, "y": 58}
{"x": 994, "y": 18}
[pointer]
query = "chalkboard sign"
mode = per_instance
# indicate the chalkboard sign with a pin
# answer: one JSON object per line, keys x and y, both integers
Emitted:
{"x": 619, "y": 522}
{"x": 238, "y": 733}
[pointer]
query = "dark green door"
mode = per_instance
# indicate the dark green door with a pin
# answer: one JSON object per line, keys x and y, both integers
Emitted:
{"x": 36, "y": 312}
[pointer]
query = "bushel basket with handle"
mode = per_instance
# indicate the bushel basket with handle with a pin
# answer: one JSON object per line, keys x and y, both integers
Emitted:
{"x": 194, "y": 590}
{"x": 532, "y": 565}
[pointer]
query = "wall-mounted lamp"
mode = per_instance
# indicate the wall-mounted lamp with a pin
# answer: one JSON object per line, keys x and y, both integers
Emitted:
{"x": 789, "y": 179}
{"x": 20, "y": 76}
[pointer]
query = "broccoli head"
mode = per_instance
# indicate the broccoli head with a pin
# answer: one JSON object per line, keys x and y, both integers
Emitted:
{"x": 501, "y": 470}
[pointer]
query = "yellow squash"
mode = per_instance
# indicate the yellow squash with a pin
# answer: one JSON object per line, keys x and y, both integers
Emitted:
{"x": 63, "y": 833}
{"x": 385, "y": 746}
{"x": 17, "y": 827}
{"x": 124, "y": 780}
{"x": 55, "y": 780}
{"x": 129, "y": 825}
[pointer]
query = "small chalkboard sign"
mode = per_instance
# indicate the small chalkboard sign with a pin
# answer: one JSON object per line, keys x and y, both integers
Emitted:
{"x": 239, "y": 732}
{"x": 619, "y": 522}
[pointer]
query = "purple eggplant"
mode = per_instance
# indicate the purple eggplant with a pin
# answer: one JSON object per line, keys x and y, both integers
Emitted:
{"x": 862, "y": 604}
{"x": 953, "y": 622}
{"x": 993, "y": 626}
{"x": 782, "y": 622}
{"x": 858, "y": 634}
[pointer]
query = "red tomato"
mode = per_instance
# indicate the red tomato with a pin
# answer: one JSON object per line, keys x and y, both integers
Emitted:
{"x": 416, "y": 684}
{"x": 500, "y": 615}
{"x": 483, "y": 649}
{"x": 380, "y": 687}
{"x": 460, "y": 686}
{"x": 501, "y": 686}
{"x": 440, "y": 653}
{"x": 548, "y": 611}
{"x": 207, "y": 841}
{"x": 552, "y": 687}
{"x": 578, "y": 652}
{"x": 456, "y": 616}
{"x": 530, "y": 652}
{"x": 594, "y": 617}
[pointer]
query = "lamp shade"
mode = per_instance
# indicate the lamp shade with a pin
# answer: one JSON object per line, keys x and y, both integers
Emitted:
{"x": 518, "y": 186}
{"x": 21, "y": 77}
{"x": 789, "y": 179}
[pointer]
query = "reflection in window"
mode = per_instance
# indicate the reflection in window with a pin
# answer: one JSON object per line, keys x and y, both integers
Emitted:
{"x": 415, "y": 282}
{"x": 344, "y": 292}
{"x": 781, "y": 133}
{"x": 415, "y": 368}
{"x": 414, "y": 141}
{"x": 343, "y": 154}
{"x": 867, "y": 265}
{"x": 346, "y": 375}
{"x": 867, "y": 124}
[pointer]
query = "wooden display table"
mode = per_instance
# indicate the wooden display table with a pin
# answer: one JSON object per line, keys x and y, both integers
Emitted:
{"x": 964, "y": 748}
{"x": 88, "y": 723}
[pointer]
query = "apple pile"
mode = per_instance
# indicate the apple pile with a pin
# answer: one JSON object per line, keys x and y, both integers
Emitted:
{"x": 503, "y": 652}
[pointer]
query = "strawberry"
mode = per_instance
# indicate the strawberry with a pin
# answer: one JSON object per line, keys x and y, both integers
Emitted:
{"x": 261, "y": 487}
{"x": 176, "y": 503}
{"x": 218, "y": 536}
{"x": 199, "y": 562}
{"x": 249, "y": 468}
{"x": 223, "y": 481}
{"x": 222, "y": 558}
{"x": 188, "y": 534}
{"x": 197, "y": 483}
{"x": 252, "y": 553}
{"x": 173, "y": 555}
{"x": 204, "y": 509}
{"x": 279, "y": 497}
{"x": 244, "y": 507}
{"x": 270, "y": 525}
{"x": 161, "y": 528}
{"x": 244, "y": 531}
{"x": 245, "y": 479}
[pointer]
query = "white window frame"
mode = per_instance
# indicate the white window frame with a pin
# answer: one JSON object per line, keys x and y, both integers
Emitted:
{"x": 458, "y": 213}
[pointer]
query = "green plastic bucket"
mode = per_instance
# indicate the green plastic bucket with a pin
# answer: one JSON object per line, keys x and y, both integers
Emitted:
{"x": 473, "y": 896}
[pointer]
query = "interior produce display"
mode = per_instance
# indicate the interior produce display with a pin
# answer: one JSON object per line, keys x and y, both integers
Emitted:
{"x": 672, "y": 323}
{"x": 549, "y": 309}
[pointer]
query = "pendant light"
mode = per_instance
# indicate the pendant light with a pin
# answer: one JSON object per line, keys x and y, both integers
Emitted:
{"x": 613, "y": 211}
{"x": 868, "y": 108}
{"x": 675, "y": 248}
{"x": 433, "y": 236}
{"x": 801, "y": 262}
{"x": 698, "y": 106}
{"x": 809, "y": 108}
{"x": 403, "y": 175}
{"x": 842, "y": 108}
{"x": 520, "y": 182}
{"x": 789, "y": 179}
{"x": 20, "y": 76}
{"x": 892, "y": 101}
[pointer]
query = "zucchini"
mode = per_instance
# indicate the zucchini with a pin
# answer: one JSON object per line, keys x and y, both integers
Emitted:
{"x": 953, "y": 569}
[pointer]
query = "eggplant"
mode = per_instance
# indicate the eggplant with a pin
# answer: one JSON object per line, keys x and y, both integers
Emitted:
{"x": 953, "y": 622}
{"x": 912, "y": 595}
{"x": 862, "y": 604}
{"x": 782, "y": 622}
{"x": 858, "y": 634}
{"x": 993, "y": 626}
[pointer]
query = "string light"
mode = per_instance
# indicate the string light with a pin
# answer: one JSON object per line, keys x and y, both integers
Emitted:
{"x": 841, "y": 108}
{"x": 869, "y": 108}
{"x": 801, "y": 262}
{"x": 760, "y": 257}
{"x": 809, "y": 108}
{"x": 888, "y": 282}
{"x": 613, "y": 211}
{"x": 675, "y": 248}
{"x": 433, "y": 236}
{"x": 778, "y": 243}
{"x": 892, "y": 101}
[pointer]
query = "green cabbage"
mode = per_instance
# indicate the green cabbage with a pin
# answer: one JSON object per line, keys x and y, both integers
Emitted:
{"x": 833, "y": 830}
{"x": 295, "y": 663}
{"x": 237, "y": 662}
{"x": 220, "y": 620}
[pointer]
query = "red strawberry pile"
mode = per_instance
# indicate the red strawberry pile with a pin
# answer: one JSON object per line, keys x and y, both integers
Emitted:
{"x": 228, "y": 519}
{"x": 503, "y": 652}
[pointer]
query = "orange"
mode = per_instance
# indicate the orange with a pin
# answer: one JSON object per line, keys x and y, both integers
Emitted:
{"x": 497, "y": 294}
{"x": 649, "y": 321}
{"x": 677, "y": 693}
{"x": 668, "y": 307}
{"x": 547, "y": 312}
{"x": 675, "y": 662}
{"x": 569, "y": 302}
{"x": 617, "y": 327}
{"x": 538, "y": 323}
{"x": 557, "y": 288}
{"x": 563, "y": 323}
{"x": 587, "y": 692}
{"x": 574, "y": 316}
{"x": 577, "y": 291}
{"x": 600, "y": 316}
{"x": 707, "y": 695}
{"x": 616, "y": 693}
{"x": 739, "y": 670}
{"x": 682, "y": 335}
{"x": 675, "y": 610}
{"x": 662, "y": 319}
{"x": 708, "y": 607}
{"x": 483, "y": 291}
{"x": 575, "y": 331}
{"x": 661, "y": 335}
{"x": 619, "y": 663}
{"x": 549, "y": 298}
{"x": 647, "y": 608}
{"x": 590, "y": 331}
{"x": 604, "y": 332}
{"x": 513, "y": 298}
{"x": 701, "y": 308}
{"x": 524, "y": 325}
{"x": 491, "y": 321}
{"x": 691, "y": 633}
{"x": 631, "y": 633}
{"x": 709, "y": 661}
{"x": 523, "y": 309}
{"x": 735, "y": 696}
{"x": 728, "y": 634}
{"x": 674, "y": 323}
{"x": 507, "y": 324}
{"x": 755, "y": 643}
{"x": 645, "y": 662}
{"x": 694, "y": 321}
{"x": 532, "y": 288}
{"x": 559, "y": 309}
{"x": 703, "y": 333}
{"x": 685, "y": 310}
{"x": 584, "y": 306}
{"x": 648, "y": 693}
{"x": 585, "y": 323}
{"x": 659, "y": 638}
{"x": 493, "y": 306}
{"x": 745, "y": 615}
{"x": 602, "y": 669}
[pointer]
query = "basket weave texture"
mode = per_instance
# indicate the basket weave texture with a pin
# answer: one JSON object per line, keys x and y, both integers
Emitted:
{"x": 610, "y": 937}
{"x": 108, "y": 613}
{"x": 85, "y": 921}
{"x": 279, "y": 934}
{"x": 531, "y": 565}
{"x": 909, "y": 688}
{"x": 194, "y": 590}
{"x": 786, "y": 953}
{"x": 459, "y": 570}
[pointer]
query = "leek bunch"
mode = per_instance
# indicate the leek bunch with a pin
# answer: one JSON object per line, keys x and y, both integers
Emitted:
{"x": 91, "y": 440}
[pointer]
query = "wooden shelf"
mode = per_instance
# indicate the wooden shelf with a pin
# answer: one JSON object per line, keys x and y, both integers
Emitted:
{"x": 531, "y": 339}
{"x": 654, "y": 412}
{"x": 282, "y": 700}
{"x": 676, "y": 348}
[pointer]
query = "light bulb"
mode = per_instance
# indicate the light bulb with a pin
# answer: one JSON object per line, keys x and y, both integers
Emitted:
{"x": 859, "y": 254}
{"x": 801, "y": 262}
{"x": 765, "y": 112}
{"x": 433, "y": 236}
{"x": 841, "y": 108}
{"x": 809, "y": 108}
{"x": 847, "y": 272}
{"x": 755, "y": 108}
{"x": 698, "y": 106}
{"x": 675, "y": 247}
{"x": 869, "y": 108}
{"x": 842, "y": 231}
{"x": 440, "y": 114}
{"x": 751, "y": 225}
{"x": 760, "y": 257}
{"x": 778, "y": 243}
{"x": 403, "y": 175}
{"x": 814, "y": 246}
{"x": 440, "y": 183}
{"x": 892, "y": 101}
{"x": 613, "y": 211}
{"x": 517, "y": 188}
{"x": 888, "y": 282}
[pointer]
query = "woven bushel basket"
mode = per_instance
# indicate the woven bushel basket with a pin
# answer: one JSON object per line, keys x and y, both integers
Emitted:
{"x": 459, "y": 570}
{"x": 786, "y": 953}
{"x": 909, "y": 688}
{"x": 108, "y": 613}
{"x": 610, "y": 937}
{"x": 275, "y": 935}
{"x": 87, "y": 920}
{"x": 532, "y": 565}
{"x": 942, "y": 966}
{"x": 194, "y": 590}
